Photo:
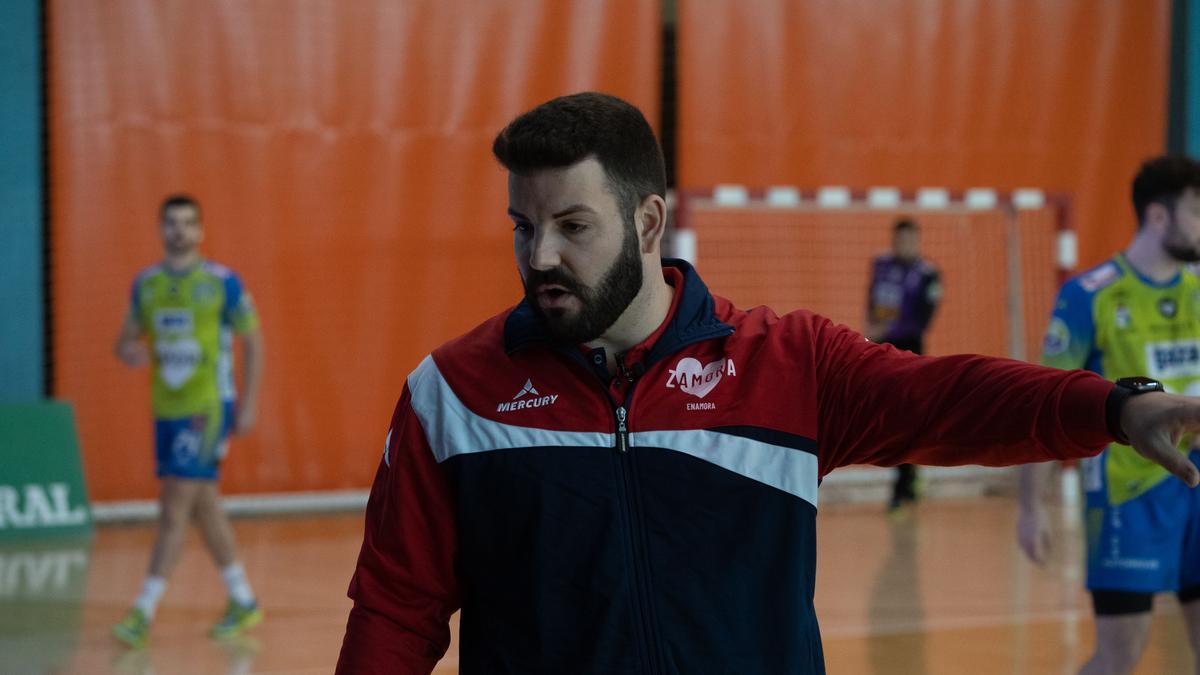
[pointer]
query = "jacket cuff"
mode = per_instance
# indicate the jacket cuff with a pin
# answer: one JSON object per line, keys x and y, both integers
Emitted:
{"x": 1084, "y": 411}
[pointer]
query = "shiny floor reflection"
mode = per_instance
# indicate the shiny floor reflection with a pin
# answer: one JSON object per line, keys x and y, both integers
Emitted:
{"x": 944, "y": 591}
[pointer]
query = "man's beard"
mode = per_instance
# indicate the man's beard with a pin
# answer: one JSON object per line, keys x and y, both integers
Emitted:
{"x": 599, "y": 307}
{"x": 1175, "y": 247}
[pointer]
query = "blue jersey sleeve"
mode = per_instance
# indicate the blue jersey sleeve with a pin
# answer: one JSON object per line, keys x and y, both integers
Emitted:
{"x": 1070, "y": 337}
{"x": 239, "y": 308}
{"x": 135, "y": 299}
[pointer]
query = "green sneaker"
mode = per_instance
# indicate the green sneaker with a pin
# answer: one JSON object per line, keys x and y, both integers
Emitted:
{"x": 237, "y": 619}
{"x": 134, "y": 629}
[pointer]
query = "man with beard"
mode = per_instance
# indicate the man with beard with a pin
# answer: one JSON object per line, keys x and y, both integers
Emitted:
{"x": 619, "y": 475}
{"x": 183, "y": 314}
{"x": 1135, "y": 314}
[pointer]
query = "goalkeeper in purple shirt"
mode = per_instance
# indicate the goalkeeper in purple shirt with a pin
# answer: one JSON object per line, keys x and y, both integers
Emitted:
{"x": 903, "y": 296}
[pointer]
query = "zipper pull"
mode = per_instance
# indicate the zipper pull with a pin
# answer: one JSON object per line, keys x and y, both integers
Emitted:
{"x": 622, "y": 430}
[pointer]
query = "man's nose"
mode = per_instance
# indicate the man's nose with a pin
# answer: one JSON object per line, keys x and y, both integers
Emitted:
{"x": 544, "y": 253}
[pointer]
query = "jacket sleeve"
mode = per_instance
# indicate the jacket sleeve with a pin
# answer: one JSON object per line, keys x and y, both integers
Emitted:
{"x": 880, "y": 405}
{"x": 404, "y": 588}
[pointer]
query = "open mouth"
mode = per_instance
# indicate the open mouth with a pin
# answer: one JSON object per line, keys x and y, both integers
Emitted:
{"x": 552, "y": 294}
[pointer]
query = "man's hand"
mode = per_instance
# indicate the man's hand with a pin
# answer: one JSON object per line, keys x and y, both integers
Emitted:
{"x": 1033, "y": 533}
{"x": 1155, "y": 423}
{"x": 133, "y": 353}
{"x": 244, "y": 417}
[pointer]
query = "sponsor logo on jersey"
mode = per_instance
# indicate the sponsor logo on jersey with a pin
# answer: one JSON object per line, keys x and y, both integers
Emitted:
{"x": 1058, "y": 337}
{"x": 203, "y": 293}
{"x": 528, "y": 397}
{"x": 177, "y": 360}
{"x": 690, "y": 377}
{"x": 1178, "y": 358}
{"x": 173, "y": 320}
{"x": 1099, "y": 278}
{"x": 1122, "y": 317}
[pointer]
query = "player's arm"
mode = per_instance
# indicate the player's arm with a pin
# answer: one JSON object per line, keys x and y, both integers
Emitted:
{"x": 874, "y": 330}
{"x": 1034, "y": 533}
{"x": 130, "y": 347}
{"x": 240, "y": 314}
{"x": 253, "y": 356}
{"x": 404, "y": 587}
{"x": 1067, "y": 344}
{"x": 931, "y": 295}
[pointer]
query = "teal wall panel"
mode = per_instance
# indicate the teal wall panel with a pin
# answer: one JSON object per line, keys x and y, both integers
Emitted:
{"x": 21, "y": 203}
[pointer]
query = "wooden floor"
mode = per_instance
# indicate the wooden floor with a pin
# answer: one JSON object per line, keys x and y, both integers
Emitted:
{"x": 944, "y": 591}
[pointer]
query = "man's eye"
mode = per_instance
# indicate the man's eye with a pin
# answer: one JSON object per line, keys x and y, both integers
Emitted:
{"x": 521, "y": 227}
{"x": 572, "y": 226}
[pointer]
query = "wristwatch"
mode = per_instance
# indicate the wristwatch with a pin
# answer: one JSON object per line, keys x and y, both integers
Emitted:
{"x": 1127, "y": 387}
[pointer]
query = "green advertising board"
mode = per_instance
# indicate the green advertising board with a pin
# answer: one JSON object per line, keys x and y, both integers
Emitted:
{"x": 41, "y": 478}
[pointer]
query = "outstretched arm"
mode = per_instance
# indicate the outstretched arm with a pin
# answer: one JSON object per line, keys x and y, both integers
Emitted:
{"x": 879, "y": 405}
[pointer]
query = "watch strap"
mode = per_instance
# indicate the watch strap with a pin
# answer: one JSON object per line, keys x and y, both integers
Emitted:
{"x": 1117, "y": 397}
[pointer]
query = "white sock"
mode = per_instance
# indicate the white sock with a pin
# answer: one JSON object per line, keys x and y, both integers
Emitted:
{"x": 152, "y": 591}
{"x": 239, "y": 587}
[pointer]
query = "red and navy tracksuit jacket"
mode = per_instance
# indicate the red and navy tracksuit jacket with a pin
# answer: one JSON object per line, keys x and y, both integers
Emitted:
{"x": 662, "y": 521}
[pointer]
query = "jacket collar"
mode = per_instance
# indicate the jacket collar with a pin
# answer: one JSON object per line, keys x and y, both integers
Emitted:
{"x": 694, "y": 320}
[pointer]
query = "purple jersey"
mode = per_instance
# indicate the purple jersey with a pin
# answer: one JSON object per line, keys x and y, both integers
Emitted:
{"x": 903, "y": 295}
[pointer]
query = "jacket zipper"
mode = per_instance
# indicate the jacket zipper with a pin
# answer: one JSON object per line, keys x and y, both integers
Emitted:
{"x": 641, "y": 591}
{"x": 641, "y": 572}
{"x": 622, "y": 430}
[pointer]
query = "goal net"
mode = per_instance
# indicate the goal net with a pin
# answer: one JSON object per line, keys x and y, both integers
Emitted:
{"x": 1002, "y": 256}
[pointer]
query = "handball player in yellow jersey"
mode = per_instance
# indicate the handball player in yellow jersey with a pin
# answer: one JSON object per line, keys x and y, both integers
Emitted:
{"x": 183, "y": 314}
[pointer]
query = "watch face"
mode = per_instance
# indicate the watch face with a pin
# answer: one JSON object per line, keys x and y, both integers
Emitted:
{"x": 1139, "y": 384}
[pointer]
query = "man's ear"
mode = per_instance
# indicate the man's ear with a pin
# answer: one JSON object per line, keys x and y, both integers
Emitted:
{"x": 1157, "y": 215}
{"x": 651, "y": 219}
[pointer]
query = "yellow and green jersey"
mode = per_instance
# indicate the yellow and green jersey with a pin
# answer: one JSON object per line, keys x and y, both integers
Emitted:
{"x": 189, "y": 319}
{"x": 1115, "y": 322}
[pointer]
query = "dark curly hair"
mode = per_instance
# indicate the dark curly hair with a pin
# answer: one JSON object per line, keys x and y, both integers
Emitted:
{"x": 569, "y": 129}
{"x": 1162, "y": 180}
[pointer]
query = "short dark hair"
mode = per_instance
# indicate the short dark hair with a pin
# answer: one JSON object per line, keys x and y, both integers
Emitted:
{"x": 178, "y": 199}
{"x": 1162, "y": 180}
{"x": 569, "y": 129}
{"x": 905, "y": 224}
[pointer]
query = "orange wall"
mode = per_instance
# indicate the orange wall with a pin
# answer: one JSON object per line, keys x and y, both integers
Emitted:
{"x": 341, "y": 151}
{"x": 1065, "y": 95}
